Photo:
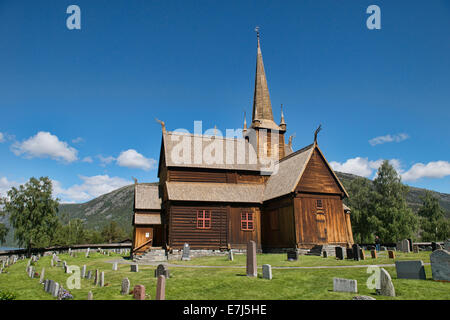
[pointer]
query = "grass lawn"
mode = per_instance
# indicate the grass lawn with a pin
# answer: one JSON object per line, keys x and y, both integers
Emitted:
{"x": 223, "y": 283}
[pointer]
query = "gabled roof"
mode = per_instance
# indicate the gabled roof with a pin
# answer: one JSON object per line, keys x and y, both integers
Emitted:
{"x": 290, "y": 171}
{"x": 199, "y": 145}
{"x": 215, "y": 192}
{"x": 146, "y": 197}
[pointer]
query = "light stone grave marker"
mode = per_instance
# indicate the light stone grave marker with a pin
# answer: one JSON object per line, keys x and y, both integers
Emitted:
{"x": 267, "y": 271}
{"x": 345, "y": 285}
{"x": 440, "y": 265}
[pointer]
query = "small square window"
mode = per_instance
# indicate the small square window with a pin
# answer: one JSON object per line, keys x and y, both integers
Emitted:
{"x": 203, "y": 219}
{"x": 319, "y": 204}
{"x": 247, "y": 221}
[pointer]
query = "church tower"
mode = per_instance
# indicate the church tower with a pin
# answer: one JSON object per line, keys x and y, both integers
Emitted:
{"x": 267, "y": 135}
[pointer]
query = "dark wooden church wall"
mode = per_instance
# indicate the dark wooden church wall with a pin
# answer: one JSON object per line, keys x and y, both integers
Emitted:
{"x": 318, "y": 178}
{"x": 239, "y": 238}
{"x": 183, "y": 226}
{"x": 219, "y": 176}
{"x": 313, "y": 222}
{"x": 277, "y": 224}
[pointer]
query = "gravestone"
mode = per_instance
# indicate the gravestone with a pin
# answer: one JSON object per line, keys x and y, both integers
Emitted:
{"x": 362, "y": 254}
{"x": 161, "y": 288}
{"x": 52, "y": 263}
{"x": 161, "y": 270}
{"x": 374, "y": 254}
{"x": 292, "y": 255}
{"x": 324, "y": 254}
{"x": 102, "y": 279}
{"x": 391, "y": 254}
{"x": 83, "y": 272}
{"x": 96, "y": 277}
{"x": 345, "y": 285}
{"x": 267, "y": 271}
{"x": 230, "y": 255}
{"x": 125, "y": 286}
{"x": 447, "y": 245}
{"x": 41, "y": 279}
{"x": 410, "y": 245}
{"x": 386, "y": 285}
{"x": 251, "y": 259}
{"x": 440, "y": 265}
{"x": 46, "y": 285}
{"x": 339, "y": 253}
{"x": 186, "y": 252}
{"x": 87, "y": 252}
{"x": 139, "y": 292}
{"x": 134, "y": 268}
{"x": 356, "y": 252}
{"x": 55, "y": 290}
{"x": 404, "y": 246}
{"x": 114, "y": 266}
{"x": 416, "y": 248}
{"x": 89, "y": 275}
{"x": 410, "y": 269}
{"x": 433, "y": 246}
{"x": 90, "y": 296}
{"x": 383, "y": 248}
{"x": 349, "y": 252}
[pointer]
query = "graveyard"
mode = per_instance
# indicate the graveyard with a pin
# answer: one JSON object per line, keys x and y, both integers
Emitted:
{"x": 219, "y": 278}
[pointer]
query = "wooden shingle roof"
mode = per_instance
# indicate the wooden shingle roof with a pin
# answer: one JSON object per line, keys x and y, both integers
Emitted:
{"x": 146, "y": 197}
{"x": 215, "y": 192}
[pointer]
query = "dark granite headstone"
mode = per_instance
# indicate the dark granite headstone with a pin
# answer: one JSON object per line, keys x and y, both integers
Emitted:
{"x": 339, "y": 253}
{"x": 433, "y": 246}
{"x": 410, "y": 245}
{"x": 349, "y": 253}
{"x": 292, "y": 255}
{"x": 356, "y": 252}
{"x": 410, "y": 269}
{"x": 161, "y": 270}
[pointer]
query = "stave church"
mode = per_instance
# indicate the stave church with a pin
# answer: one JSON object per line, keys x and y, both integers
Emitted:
{"x": 217, "y": 193}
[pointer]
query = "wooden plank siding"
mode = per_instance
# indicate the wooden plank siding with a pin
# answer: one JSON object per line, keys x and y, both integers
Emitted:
{"x": 278, "y": 224}
{"x": 320, "y": 226}
{"x": 183, "y": 226}
{"x": 208, "y": 175}
{"x": 317, "y": 177}
{"x": 238, "y": 238}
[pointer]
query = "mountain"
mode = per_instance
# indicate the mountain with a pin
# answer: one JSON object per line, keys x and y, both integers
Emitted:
{"x": 118, "y": 206}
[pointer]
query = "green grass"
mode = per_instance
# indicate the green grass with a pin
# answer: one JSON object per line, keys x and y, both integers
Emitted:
{"x": 280, "y": 260}
{"x": 222, "y": 283}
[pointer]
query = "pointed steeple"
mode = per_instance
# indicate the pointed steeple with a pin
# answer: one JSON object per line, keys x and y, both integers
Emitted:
{"x": 262, "y": 107}
{"x": 282, "y": 122}
{"x": 245, "y": 124}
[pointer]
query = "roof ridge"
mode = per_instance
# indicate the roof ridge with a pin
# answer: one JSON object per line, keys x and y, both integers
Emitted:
{"x": 297, "y": 152}
{"x": 204, "y": 135}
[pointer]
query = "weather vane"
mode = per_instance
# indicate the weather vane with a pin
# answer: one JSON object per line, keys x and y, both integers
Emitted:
{"x": 315, "y": 133}
{"x": 257, "y": 30}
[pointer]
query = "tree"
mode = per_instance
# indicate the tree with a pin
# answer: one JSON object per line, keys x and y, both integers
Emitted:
{"x": 433, "y": 224}
{"x": 112, "y": 232}
{"x": 32, "y": 212}
{"x": 392, "y": 218}
{"x": 3, "y": 232}
{"x": 360, "y": 201}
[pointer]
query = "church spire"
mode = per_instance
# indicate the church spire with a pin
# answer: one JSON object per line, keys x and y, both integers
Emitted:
{"x": 262, "y": 107}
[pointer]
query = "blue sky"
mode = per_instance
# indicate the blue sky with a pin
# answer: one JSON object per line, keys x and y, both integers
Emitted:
{"x": 79, "y": 105}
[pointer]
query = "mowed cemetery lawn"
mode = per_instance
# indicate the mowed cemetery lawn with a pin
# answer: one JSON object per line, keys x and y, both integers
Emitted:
{"x": 189, "y": 283}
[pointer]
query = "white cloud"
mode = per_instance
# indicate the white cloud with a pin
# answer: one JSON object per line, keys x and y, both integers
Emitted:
{"x": 133, "y": 159}
{"x": 105, "y": 160}
{"x": 87, "y": 159}
{"x": 78, "y": 140}
{"x": 362, "y": 166}
{"x": 433, "y": 169}
{"x": 6, "y": 185}
{"x": 388, "y": 138}
{"x": 44, "y": 145}
{"x": 2, "y": 137}
{"x": 91, "y": 187}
